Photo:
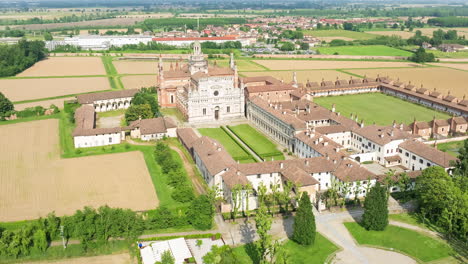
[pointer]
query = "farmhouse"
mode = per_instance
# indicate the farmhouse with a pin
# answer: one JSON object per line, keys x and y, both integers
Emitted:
{"x": 108, "y": 101}
{"x": 154, "y": 128}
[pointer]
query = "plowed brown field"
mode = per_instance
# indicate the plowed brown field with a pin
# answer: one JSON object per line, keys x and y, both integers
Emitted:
{"x": 139, "y": 81}
{"x": 302, "y": 76}
{"x": 318, "y": 64}
{"x": 36, "y": 181}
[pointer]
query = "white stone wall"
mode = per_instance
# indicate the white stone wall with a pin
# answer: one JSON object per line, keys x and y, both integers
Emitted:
{"x": 267, "y": 179}
{"x": 414, "y": 162}
{"x": 112, "y": 104}
{"x": 97, "y": 140}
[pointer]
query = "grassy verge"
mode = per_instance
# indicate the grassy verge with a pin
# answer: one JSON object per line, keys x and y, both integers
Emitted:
{"x": 261, "y": 145}
{"x": 379, "y": 108}
{"x": 451, "y": 148}
{"x": 317, "y": 253}
{"x": 173, "y": 112}
{"x": 412, "y": 243}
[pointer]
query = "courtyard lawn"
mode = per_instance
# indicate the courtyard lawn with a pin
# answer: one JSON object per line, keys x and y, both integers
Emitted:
{"x": 174, "y": 112}
{"x": 339, "y": 33}
{"x": 261, "y": 145}
{"x": 377, "y": 50}
{"x": 410, "y": 242}
{"x": 451, "y": 148}
{"x": 379, "y": 108}
{"x": 236, "y": 151}
{"x": 318, "y": 253}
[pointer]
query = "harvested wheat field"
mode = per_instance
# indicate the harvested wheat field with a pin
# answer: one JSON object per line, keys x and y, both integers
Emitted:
{"x": 139, "y": 67}
{"x": 328, "y": 39}
{"x": 138, "y": 81}
{"x": 443, "y": 79}
{"x": 325, "y": 64}
{"x": 36, "y": 181}
{"x": 302, "y": 76}
{"x": 65, "y": 66}
{"x": 402, "y": 34}
{"x": 106, "y": 259}
{"x": 45, "y": 103}
{"x": 459, "y": 66}
{"x": 30, "y": 89}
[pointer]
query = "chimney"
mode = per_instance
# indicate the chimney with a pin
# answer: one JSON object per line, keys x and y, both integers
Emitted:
{"x": 338, "y": 113}
{"x": 307, "y": 162}
{"x": 394, "y": 124}
{"x": 401, "y": 126}
{"x": 333, "y": 108}
{"x": 219, "y": 149}
{"x": 391, "y": 133}
{"x": 337, "y": 149}
{"x": 238, "y": 173}
{"x": 281, "y": 165}
{"x": 325, "y": 143}
{"x": 326, "y": 156}
{"x": 362, "y": 123}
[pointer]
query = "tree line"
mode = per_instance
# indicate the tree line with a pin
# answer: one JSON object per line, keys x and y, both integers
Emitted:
{"x": 144, "y": 105}
{"x": 18, "y": 57}
{"x": 64, "y": 19}
{"x": 451, "y": 21}
{"x": 152, "y": 24}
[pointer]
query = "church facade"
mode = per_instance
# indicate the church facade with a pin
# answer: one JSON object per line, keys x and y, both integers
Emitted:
{"x": 202, "y": 93}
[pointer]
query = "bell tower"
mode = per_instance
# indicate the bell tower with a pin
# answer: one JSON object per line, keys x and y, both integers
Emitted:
{"x": 197, "y": 62}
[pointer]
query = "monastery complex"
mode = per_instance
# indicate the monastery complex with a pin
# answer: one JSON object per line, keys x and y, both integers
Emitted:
{"x": 328, "y": 148}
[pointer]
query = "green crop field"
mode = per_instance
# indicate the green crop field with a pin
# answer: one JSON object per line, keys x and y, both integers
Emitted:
{"x": 410, "y": 242}
{"x": 339, "y": 33}
{"x": 374, "y": 50}
{"x": 315, "y": 254}
{"x": 261, "y": 145}
{"x": 236, "y": 151}
{"x": 379, "y": 108}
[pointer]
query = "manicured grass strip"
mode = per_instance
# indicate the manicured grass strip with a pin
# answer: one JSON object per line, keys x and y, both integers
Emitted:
{"x": 379, "y": 108}
{"x": 108, "y": 65}
{"x": 452, "y": 148}
{"x": 261, "y": 145}
{"x": 339, "y": 33}
{"x": 315, "y": 254}
{"x": 410, "y": 242}
{"x": 374, "y": 50}
{"x": 236, "y": 151}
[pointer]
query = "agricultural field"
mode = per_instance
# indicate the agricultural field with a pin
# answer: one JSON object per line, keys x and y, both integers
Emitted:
{"x": 402, "y": 34}
{"x": 138, "y": 81}
{"x": 339, "y": 33}
{"x": 242, "y": 65}
{"x": 379, "y": 108}
{"x": 65, "y": 66}
{"x": 302, "y": 76}
{"x": 326, "y": 64}
{"x": 443, "y": 79}
{"x": 31, "y": 89}
{"x": 123, "y": 258}
{"x": 231, "y": 146}
{"x": 110, "y": 22}
{"x": 138, "y": 67}
{"x": 451, "y": 55}
{"x": 459, "y": 66}
{"x": 45, "y": 103}
{"x": 36, "y": 181}
{"x": 103, "y": 31}
{"x": 328, "y": 39}
{"x": 375, "y": 50}
{"x": 260, "y": 144}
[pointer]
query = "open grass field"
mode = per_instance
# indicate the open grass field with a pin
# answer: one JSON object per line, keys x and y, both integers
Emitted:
{"x": 339, "y": 33}
{"x": 379, "y": 108}
{"x": 260, "y": 144}
{"x": 402, "y": 34}
{"x": 31, "y": 89}
{"x": 138, "y": 67}
{"x": 36, "y": 181}
{"x": 452, "y": 148}
{"x": 138, "y": 81}
{"x": 316, "y": 254}
{"x": 375, "y": 50}
{"x": 45, "y": 103}
{"x": 328, "y": 39}
{"x": 65, "y": 66}
{"x": 410, "y": 242}
{"x": 123, "y": 258}
{"x": 444, "y": 79}
{"x": 451, "y": 55}
{"x": 302, "y": 76}
{"x": 236, "y": 151}
{"x": 325, "y": 64}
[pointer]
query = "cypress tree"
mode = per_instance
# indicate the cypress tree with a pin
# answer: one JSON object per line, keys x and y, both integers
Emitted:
{"x": 375, "y": 209}
{"x": 304, "y": 222}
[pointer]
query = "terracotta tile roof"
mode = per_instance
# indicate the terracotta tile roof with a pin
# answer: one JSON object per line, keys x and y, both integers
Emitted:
{"x": 270, "y": 88}
{"x": 438, "y": 157}
{"x": 96, "y": 131}
{"x": 233, "y": 176}
{"x": 393, "y": 158}
{"x": 281, "y": 114}
{"x": 213, "y": 154}
{"x": 213, "y": 71}
{"x": 187, "y": 136}
{"x": 321, "y": 144}
{"x": 332, "y": 129}
{"x": 441, "y": 122}
{"x": 182, "y": 73}
{"x": 459, "y": 120}
{"x": 298, "y": 176}
{"x": 85, "y": 120}
{"x": 350, "y": 171}
{"x": 92, "y": 97}
{"x": 153, "y": 125}
{"x": 382, "y": 134}
{"x": 267, "y": 79}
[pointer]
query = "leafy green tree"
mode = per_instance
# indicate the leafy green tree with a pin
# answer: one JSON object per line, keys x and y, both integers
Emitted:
{"x": 287, "y": 46}
{"x": 147, "y": 96}
{"x": 375, "y": 209}
{"x": 421, "y": 56}
{"x": 166, "y": 258}
{"x": 220, "y": 255}
{"x": 304, "y": 222}
{"x": 40, "y": 240}
{"x": 136, "y": 112}
{"x": 201, "y": 212}
{"x": 263, "y": 224}
{"x": 5, "y": 106}
{"x": 183, "y": 193}
{"x": 48, "y": 36}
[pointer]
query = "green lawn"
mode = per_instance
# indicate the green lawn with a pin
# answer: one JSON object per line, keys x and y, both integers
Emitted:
{"x": 261, "y": 145}
{"x": 111, "y": 113}
{"x": 379, "y": 108}
{"x": 375, "y": 50}
{"x": 410, "y": 242}
{"x": 173, "y": 112}
{"x": 451, "y": 148}
{"x": 339, "y": 33}
{"x": 454, "y": 55}
{"x": 236, "y": 151}
{"x": 318, "y": 253}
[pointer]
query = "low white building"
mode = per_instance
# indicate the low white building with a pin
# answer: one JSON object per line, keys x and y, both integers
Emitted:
{"x": 153, "y": 129}
{"x": 416, "y": 155}
{"x": 186, "y": 42}
{"x": 151, "y": 252}
{"x": 108, "y": 101}
{"x": 93, "y": 42}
